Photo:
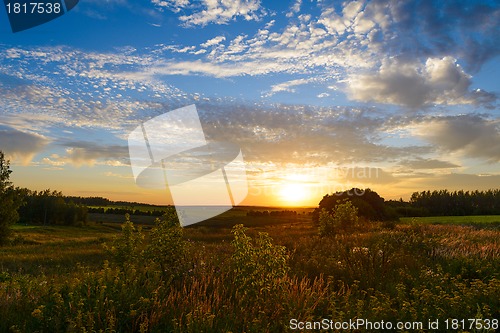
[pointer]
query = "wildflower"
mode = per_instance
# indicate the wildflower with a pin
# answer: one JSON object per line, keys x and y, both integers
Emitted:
{"x": 358, "y": 249}
{"x": 38, "y": 312}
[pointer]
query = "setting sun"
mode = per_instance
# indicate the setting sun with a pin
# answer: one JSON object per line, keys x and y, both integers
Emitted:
{"x": 293, "y": 194}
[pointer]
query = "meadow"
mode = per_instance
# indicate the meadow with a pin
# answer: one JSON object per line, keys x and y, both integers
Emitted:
{"x": 475, "y": 220}
{"x": 221, "y": 277}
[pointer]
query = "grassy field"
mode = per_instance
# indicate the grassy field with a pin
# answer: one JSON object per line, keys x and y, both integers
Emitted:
{"x": 492, "y": 220}
{"x": 55, "y": 250}
{"x": 225, "y": 220}
{"x": 61, "y": 279}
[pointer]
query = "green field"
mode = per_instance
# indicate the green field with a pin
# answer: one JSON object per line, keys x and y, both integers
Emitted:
{"x": 61, "y": 279}
{"x": 492, "y": 220}
{"x": 55, "y": 250}
{"x": 225, "y": 220}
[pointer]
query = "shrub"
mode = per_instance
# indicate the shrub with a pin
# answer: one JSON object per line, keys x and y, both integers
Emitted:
{"x": 126, "y": 248}
{"x": 344, "y": 217}
{"x": 167, "y": 248}
{"x": 258, "y": 268}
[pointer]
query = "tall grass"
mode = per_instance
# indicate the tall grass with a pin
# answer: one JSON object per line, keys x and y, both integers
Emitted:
{"x": 246, "y": 281}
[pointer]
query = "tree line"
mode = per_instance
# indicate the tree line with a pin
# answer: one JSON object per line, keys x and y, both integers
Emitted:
{"x": 273, "y": 213}
{"x": 123, "y": 211}
{"x": 457, "y": 203}
{"x": 50, "y": 207}
{"x": 372, "y": 206}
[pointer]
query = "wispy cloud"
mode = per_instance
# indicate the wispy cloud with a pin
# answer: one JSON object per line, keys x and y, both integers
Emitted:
{"x": 287, "y": 86}
{"x": 428, "y": 163}
{"x": 20, "y": 145}
{"x": 89, "y": 153}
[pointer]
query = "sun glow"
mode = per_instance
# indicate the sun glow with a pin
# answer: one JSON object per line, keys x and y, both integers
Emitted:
{"x": 293, "y": 194}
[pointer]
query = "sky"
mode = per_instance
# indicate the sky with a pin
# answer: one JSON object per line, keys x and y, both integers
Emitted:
{"x": 321, "y": 96}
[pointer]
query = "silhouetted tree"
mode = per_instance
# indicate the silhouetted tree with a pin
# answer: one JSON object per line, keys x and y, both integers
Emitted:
{"x": 367, "y": 202}
{"x": 9, "y": 200}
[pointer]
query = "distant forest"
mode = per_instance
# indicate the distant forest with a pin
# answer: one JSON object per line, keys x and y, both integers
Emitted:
{"x": 52, "y": 207}
{"x": 426, "y": 203}
{"x": 446, "y": 203}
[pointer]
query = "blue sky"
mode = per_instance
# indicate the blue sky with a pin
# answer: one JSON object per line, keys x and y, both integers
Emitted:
{"x": 403, "y": 94}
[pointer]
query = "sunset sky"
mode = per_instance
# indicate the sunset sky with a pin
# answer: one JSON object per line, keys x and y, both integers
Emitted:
{"x": 321, "y": 96}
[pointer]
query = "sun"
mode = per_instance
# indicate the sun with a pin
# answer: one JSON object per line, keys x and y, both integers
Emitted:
{"x": 293, "y": 193}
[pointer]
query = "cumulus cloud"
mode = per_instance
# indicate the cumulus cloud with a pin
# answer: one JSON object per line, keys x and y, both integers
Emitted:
{"x": 214, "y": 41}
{"x": 437, "y": 81}
{"x": 418, "y": 30}
{"x": 21, "y": 145}
{"x": 470, "y": 135}
{"x": 469, "y": 29}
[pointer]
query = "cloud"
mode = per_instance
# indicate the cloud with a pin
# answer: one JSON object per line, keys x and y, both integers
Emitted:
{"x": 176, "y": 48}
{"x": 353, "y": 44}
{"x": 366, "y": 44}
{"x": 467, "y": 29}
{"x": 204, "y": 12}
{"x": 366, "y": 175}
{"x": 287, "y": 86}
{"x": 79, "y": 153}
{"x": 416, "y": 30}
{"x": 301, "y": 134}
{"x": 458, "y": 181}
{"x": 21, "y": 145}
{"x": 438, "y": 81}
{"x": 118, "y": 175}
{"x": 90, "y": 153}
{"x": 427, "y": 163}
{"x": 469, "y": 135}
{"x": 174, "y": 5}
{"x": 43, "y": 89}
{"x": 330, "y": 41}
{"x": 295, "y": 8}
{"x": 412, "y": 29}
{"x": 214, "y": 41}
